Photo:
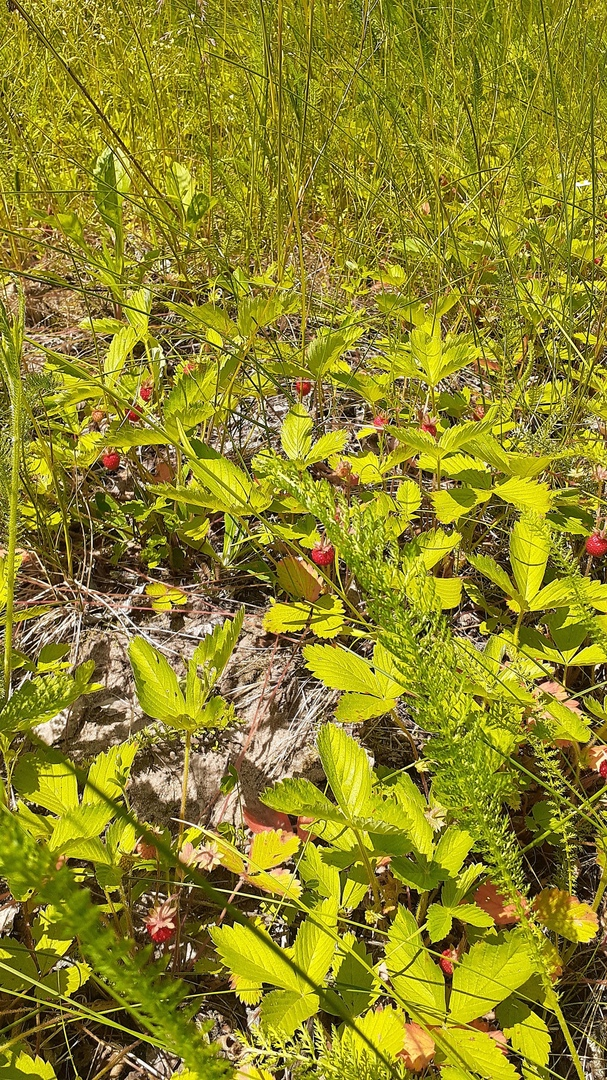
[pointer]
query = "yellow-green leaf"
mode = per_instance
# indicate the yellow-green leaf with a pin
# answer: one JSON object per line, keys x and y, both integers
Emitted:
{"x": 564, "y": 914}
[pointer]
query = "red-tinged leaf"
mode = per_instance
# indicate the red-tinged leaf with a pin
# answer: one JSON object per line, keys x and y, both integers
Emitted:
{"x": 497, "y": 906}
{"x": 263, "y": 819}
{"x": 595, "y": 757}
{"x": 300, "y": 580}
{"x": 418, "y": 1048}
{"x": 564, "y": 914}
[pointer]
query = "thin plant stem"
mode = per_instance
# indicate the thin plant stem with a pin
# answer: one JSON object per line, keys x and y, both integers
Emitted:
{"x": 184, "y": 781}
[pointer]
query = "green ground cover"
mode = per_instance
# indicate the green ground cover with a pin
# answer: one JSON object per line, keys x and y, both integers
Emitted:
{"x": 303, "y": 318}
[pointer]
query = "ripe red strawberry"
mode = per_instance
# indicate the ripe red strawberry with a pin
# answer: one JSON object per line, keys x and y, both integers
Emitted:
{"x": 133, "y": 415}
{"x": 603, "y": 769}
{"x": 303, "y": 387}
{"x": 323, "y": 553}
{"x": 596, "y": 545}
{"x": 160, "y": 934}
{"x": 161, "y": 922}
{"x": 427, "y": 424}
{"x": 146, "y": 392}
{"x": 111, "y": 460}
{"x": 379, "y": 422}
{"x": 446, "y": 962}
{"x": 189, "y": 367}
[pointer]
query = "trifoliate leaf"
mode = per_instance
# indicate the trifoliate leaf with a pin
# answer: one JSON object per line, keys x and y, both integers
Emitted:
{"x": 165, "y": 597}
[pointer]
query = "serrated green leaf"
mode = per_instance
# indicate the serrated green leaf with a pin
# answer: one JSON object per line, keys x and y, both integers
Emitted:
{"x": 476, "y": 1051}
{"x": 232, "y": 490}
{"x": 488, "y": 974}
{"x": 416, "y": 979}
{"x": 383, "y": 1028}
{"x": 354, "y": 979}
{"x": 109, "y": 773}
{"x": 409, "y": 499}
{"x": 427, "y": 353}
{"x": 525, "y": 495}
{"x": 43, "y": 697}
{"x": 356, "y": 708}
{"x": 340, "y": 669}
{"x": 324, "y": 352}
{"x": 16, "y": 1063}
{"x": 315, "y": 942}
{"x": 527, "y": 1032}
{"x": 529, "y": 550}
{"x": 283, "y": 1011}
{"x": 452, "y": 849}
{"x": 215, "y": 649}
{"x": 47, "y": 779}
{"x": 156, "y": 682}
{"x": 472, "y": 914}
{"x": 318, "y": 875}
{"x": 386, "y": 672}
{"x": 301, "y": 797}
{"x": 245, "y": 953}
{"x": 451, "y": 504}
{"x": 296, "y": 433}
{"x": 165, "y": 597}
{"x": 333, "y": 442}
{"x": 439, "y": 920}
{"x": 449, "y": 592}
{"x": 347, "y": 769}
{"x": 82, "y": 823}
{"x": 490, "y": 569}
{"x": 271, "y": 848}
{"x": 325, "y": 618}
{"x": 435, "y": 544}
